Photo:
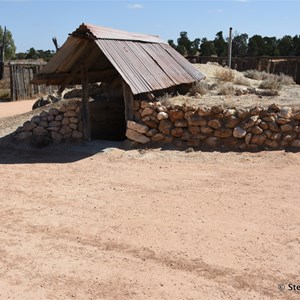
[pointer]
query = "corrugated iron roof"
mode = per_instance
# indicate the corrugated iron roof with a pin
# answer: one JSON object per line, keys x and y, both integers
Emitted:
{"x": 146, "y": 63}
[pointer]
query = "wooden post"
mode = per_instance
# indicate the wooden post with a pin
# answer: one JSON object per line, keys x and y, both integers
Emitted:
{"x": 128, "y": 101}
{"x": 230, "y": 47}
{"x": 85, "y": 103}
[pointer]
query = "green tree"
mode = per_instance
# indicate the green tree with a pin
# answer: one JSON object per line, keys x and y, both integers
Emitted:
{"x": 207, "y": 47}
{"x": 240, "y": 45}
{"x": 285, "y": 46}
{"x": 256, "y": 46}
{"x": 296, "y": 45}
{"x": 172, "y": 44}
{"x": 10, "y": 48}
{"x": 220, "y": 44}
{"x": 270, "y": 46}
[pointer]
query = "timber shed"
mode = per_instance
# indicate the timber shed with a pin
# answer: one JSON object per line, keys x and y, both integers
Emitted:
{"x": 137, "y": 64}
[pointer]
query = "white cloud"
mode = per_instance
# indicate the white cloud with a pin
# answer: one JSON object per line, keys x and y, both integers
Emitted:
{"x": 135, "y": 6}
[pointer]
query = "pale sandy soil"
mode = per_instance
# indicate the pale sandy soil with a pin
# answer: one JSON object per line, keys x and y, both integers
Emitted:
{"x": 148, "y": 224}
{"x": 8, "y": 109}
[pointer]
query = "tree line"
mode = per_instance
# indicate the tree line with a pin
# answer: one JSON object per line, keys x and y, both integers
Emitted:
{"x": 242, "y": 45}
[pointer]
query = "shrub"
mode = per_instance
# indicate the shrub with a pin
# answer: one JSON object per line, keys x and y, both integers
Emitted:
{"x": 4, "y": 94}
{"x": 286, "y": 80}
{"x": 199, "y": 87}
{"x": 241, "y": 80}
{"x": 271, "y": 83}
{"x": 226, "y": 89}
{"x": 225, "y": 75}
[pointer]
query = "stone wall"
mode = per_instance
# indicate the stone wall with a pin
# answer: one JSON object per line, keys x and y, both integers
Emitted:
{"x": 253, "y": 128}
{"x": 56, "y": 124}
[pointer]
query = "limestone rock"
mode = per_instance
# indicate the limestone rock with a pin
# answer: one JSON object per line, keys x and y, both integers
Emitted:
{"x": 53, "y": 128}
{"x": 147, "y": 111}
{"x": 59, "y": 118}
{"x": 36, "y": 119}
{"x": 76, "y": 135}
{"x": 53, "y": 111}
{"x": 274, "y": 107}
{"x": 248, "y": 138}
{"x": 214, "y": 124}
{"x": 70, "y": 113}
{"x": 181, "y": 123}
{"x": 151, "y": 132}
{"x": 136, "y": 136}
{"x": 151, "y": 124}
{"x": 295, "y": 143}
{"x": 258, "y": 139}
{"x": 229, "y": 113}
{"x": 28, "y": 126}
{"x": 273, "y": 127}
{"x": 194, "y": 130}
{"x": 65, "y": 121}
{"x": 176, "y": 115}
{"x": 288, "y": 137}
{"x": 256, "y": 130}
{"x": 282, "y": 121}
{"x": 196, "y": 121}
{"x": 286, "y": 127}
{"x": 65, "y": 130}
{"x": 263, "y": 125}
{"x": 158, "y": 137}
{"x": 137, "y": 127}
{"x": 271, "y": 143}
{"x": 73, "y": 120}
{"x": 56, "y": 137}
{"x": 239, "y": 132}
{"x": 177, "y": 132}
{"x": 165, "y": 126}
{"x": 40, "y": 131}
{"x": 285, "y": 112}
{"x": 44, "y": 114}
{"x": 55, "y": 124}
{"x": 232, "y": 121}
{"x": 276, "y": 136}
{"x": 206, "y": 129}
{"x": 297, "y": 129}
{"x": 162, "y": 116}
{"x": 203, "y": 111}
{"x": 213, "y": 141}
{"x": 223, "y": 133}
{"x": 73, "y": 126}
{"x": 297, "y": 115}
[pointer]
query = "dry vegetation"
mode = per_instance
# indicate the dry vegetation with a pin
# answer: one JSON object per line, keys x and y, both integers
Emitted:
{"x": 4, "y": 89}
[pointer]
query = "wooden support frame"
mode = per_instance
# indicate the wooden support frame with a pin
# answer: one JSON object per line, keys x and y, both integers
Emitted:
{"x": 128, "y": 101}
{"x": 85, "y": 103}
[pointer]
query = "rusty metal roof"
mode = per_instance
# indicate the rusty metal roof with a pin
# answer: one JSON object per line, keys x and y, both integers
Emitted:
{"x": 145, "y": 62}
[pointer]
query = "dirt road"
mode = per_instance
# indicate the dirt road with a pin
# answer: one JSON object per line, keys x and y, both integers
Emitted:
{"x": 148, "y": 224}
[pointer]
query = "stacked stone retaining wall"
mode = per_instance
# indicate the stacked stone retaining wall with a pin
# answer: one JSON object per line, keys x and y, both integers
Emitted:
{"x": 214, "y": 127}
{"x": 56, "y": 124}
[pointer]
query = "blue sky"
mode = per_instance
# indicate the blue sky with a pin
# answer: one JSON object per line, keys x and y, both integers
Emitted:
{"x": 34, "y": 22}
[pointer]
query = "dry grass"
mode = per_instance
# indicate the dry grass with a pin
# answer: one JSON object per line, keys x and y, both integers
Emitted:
{"x": 4, "y": 94}
{"x": 241, "y": 80}
{"x": 226, "y": 89}
{"x": 286, "y": 80}
{"x": 225, "y": 75}
{"x": 199, "y": 87}
{"x": 271, "y": 83}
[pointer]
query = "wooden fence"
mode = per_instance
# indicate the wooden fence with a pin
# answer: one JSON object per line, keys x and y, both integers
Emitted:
{"x": 21, "y": 74}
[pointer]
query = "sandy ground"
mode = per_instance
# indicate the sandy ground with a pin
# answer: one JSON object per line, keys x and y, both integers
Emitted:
{"x": 8, "y": 109}
{"x": 81, "y": 223}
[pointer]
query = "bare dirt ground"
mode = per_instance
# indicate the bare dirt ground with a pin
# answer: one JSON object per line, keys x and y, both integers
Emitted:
{"x": 93, "y": 222}
{"x": 148, "y": 224}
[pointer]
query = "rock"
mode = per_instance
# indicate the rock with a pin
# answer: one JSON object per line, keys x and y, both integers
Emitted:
{"x": 65, "y": 121}
{"x": 239, "y": 92}
{"x": 137, "y": 127}
{"x": 288, "y": 137}
{"x": 137, "y": 116}
{"x": 274, "y": 107}
{"x": 63, "y": 108}
{"x": 144, "y": 104}
{"x": 40, "y": 131}
{"x": 229, "y": 113}
{"x": 297, "y": 129}
{"x": 186, "y": 135}
{"x": 70, "y": 113}
{"x": 213, "y": 141}
{"x": 44, "y": 114}
{"x": 168, "y": 139}
{"x": 147, "y": 111}
{"x": 136, "y": 136}
{"x": 189, "y": 114}
{"x": 165, "y": 126}
{"x": 162, "y": 109}
{"x": 282, "y": 121}
{"x": 268, "y": 133}
{"x": 193, "y": 142}
{"x": 223, "y": 133}
{"x": 136, "y": 105}
{"x": 248, "y": 138}
{"x": 206, "y": 129}
{"x": 242, "y": 112}
{"x": 162, "y": 116}
{"x": 28, "y": 126}
{"x": 65, "y": 130}
{"x": 263, "y": 125}
{"x": 146, "y": 118}
{"x": 256, "y": 130}
{"x": 54, "y": 124}
{"x": 73, "y": 120}
{"x": 196, "y": 121}
{"x": 73, "y": 126}
{"x": 40, "y": 102}
{"x": 53, "y": 128}
{"x": 36, "y": 119}
{"x": 50, "y": 118}
{"x": 216, "y": 110}
{"x": 286, "y": 127}
{"x": 239, "y": 132}
{"x": 53, "y": 111}
{"x": 271, "y": 143}
{"x": 56, "y": 137}
{"x": 151, "y": 132}
{"x": 232, "y": 121}
{"x": 297, "y": 115}
{"x": 151, "y": 124}
{"x": 214, "y": 124}
{"x": 194, "y": 130}
{"x": 250, "y": 122}
{"x": 76, "y": 135}
{"x": 255, "y": 110}
{"x": 59, "y": 118}
{"x": 258, "y": 139}
{"x": 231, "y": 142}
{"x": 181, "y": 123}
{"x": 177, "y": 132}
{"x": 269, "y": 119}
{"x": 203, "y": 111}
{"x": 276, "y": 136}
{"x": 273, "y": 127}
{"x": 158, "y": 137}
{"x": 176, "y": 115}
{"x": 23, "y": 136}
{"x": 44, "y": 124}
{"x": 295, "y": 143}
{"x": 285, "y": 112}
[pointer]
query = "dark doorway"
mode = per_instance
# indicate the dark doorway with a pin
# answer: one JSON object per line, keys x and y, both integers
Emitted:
{"x": 107, "y": 113}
